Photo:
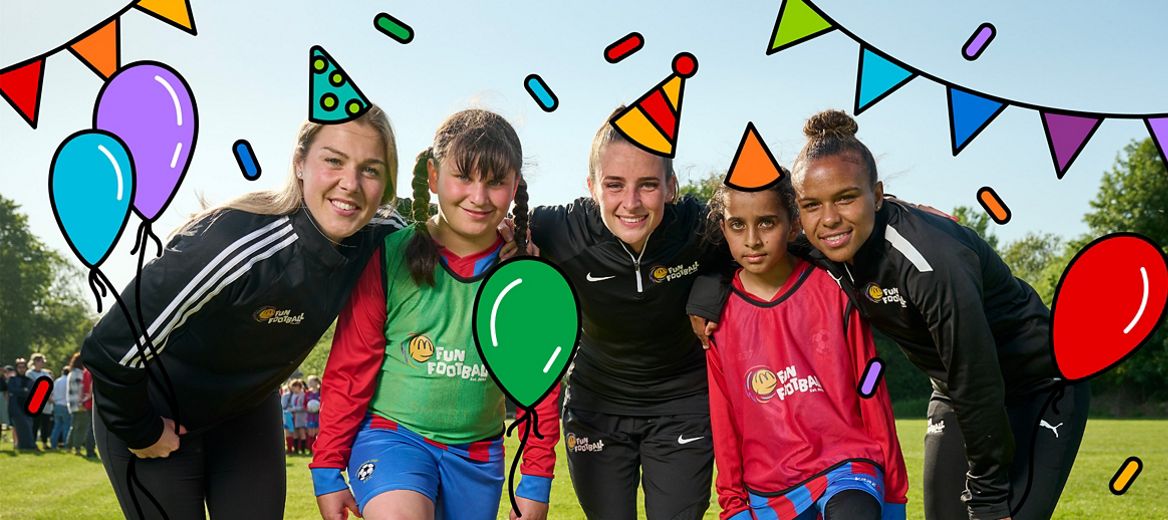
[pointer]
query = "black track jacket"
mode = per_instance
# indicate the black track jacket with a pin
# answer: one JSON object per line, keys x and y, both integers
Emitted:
{"x": 233, "y": 307}
{"x": 638, "y": 354}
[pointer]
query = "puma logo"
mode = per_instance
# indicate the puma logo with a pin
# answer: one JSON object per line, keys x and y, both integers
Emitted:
{"x": 935, "y": 428}
{"x": 1047, "y": 425}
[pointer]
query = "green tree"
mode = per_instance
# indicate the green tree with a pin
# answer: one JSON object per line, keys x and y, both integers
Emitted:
{"x": 1133, "y": 196}
{"x": 978, "y": 221}
{"x": 703, "y": 187}
{"x": 1037, "y": 258}
{"x": 41, "y": 306}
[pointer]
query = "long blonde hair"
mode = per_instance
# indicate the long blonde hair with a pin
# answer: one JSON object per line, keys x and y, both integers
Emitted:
{"x": 290, "y": 197}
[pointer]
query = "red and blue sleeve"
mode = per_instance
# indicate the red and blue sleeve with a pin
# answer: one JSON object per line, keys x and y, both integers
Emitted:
{"x": 876, "y": 412}
{"x": 729, "y": 483}
{"x": 539, "y": 457}
{"x": 350, "y": 377}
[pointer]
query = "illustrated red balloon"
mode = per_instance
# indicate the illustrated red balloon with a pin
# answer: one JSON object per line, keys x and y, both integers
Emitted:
{"x": 1110, "y": 299}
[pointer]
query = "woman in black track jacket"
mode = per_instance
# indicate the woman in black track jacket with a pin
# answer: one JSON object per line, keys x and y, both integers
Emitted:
{"x": 636, "y": 404}
{"x": 231, "y": 308}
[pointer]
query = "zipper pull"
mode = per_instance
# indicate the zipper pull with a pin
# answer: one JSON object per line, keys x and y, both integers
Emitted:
{"x": 637, "y": 267}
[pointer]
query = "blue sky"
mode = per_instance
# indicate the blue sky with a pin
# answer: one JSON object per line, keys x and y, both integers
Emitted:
{"x": 247, "y": 69}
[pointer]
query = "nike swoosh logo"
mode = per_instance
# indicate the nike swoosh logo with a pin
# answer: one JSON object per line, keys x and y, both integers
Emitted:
{"x": 682, "y": 440}
{"x": 591, "y": 278}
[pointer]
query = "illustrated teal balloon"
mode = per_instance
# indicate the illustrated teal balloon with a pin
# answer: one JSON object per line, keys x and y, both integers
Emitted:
{"x": 526, "y": 327}
{"x": 91, "y": 188}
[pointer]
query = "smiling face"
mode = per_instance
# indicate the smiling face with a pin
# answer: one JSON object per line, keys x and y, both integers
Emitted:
{"x": 757, "y": 228}
{"x": 837, "y": 205}
{"x": 470, "y": 205}
{"x": 631, "y": 188}
{"x": 344, "y": 176}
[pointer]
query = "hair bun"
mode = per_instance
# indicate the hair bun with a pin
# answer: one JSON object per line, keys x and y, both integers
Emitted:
{"x": 830, "y": 123}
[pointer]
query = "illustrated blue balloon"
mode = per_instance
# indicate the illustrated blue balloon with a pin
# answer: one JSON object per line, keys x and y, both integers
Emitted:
{"x": 91, "y": 187}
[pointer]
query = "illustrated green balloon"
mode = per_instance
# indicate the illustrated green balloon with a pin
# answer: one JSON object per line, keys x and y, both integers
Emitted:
{"x": 526, "y": 327}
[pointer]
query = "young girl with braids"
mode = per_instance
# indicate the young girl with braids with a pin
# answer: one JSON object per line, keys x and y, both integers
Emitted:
{"x": 408, "y": 407}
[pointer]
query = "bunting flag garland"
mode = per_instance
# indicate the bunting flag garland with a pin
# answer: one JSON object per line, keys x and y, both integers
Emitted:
{"x": 1158, "y": 127}
{"x": 20, "y": 85}
{"x": 99, "y": 48}
{"x": 797, "y": 23}
{"x": 970, "y": 112}
{"x": 878, "y": 77}
{"x": 173, "y": 12}
{"x": 1067, "y": 134}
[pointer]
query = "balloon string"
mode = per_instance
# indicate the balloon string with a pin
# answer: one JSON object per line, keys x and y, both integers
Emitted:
{"x": 138, "y": 238}
{"x": 527, "y": 421}
{"x": 131, "y": 478}
{"x": 95, "y": 285}
{"x": 168, "y": 390}
{"x": 132, "y": 482}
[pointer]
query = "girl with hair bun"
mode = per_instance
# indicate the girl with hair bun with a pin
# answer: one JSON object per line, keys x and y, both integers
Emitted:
{"x": 408, "y": 408}
{"x": 959, "y": 314}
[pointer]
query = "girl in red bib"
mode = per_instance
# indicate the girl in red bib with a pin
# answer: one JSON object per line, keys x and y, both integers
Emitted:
{"x": 793, "y": 437}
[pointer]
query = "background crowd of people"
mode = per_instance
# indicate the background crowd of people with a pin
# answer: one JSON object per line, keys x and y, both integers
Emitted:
{"x": 65, "y": 421}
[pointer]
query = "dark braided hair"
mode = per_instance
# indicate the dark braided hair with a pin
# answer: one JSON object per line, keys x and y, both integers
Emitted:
{"x": 478, "y": 142}
{"x": 521, "y": 219}
{"x": 421, "y": 252}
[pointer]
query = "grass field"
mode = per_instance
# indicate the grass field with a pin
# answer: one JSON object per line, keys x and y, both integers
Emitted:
{"x": 58, "y": 485}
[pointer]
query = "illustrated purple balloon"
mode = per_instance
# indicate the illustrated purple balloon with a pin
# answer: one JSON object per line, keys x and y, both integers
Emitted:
{"x": 150, "y": 107}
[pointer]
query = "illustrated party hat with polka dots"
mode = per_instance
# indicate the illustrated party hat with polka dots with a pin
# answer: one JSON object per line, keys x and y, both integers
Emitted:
{"x": 332, "y": 97}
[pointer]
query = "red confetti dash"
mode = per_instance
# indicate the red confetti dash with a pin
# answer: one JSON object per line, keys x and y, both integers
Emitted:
{"x": 624, "y": 47}
{"x": 1127, "y": 474}
{"x": 41, "y": 389}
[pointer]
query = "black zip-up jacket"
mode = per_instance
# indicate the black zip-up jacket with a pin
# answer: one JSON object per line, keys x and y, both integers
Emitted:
{"x": 233, "y": 307}
{"x": 638, "y": 355}
{"x": 959, "y": 314}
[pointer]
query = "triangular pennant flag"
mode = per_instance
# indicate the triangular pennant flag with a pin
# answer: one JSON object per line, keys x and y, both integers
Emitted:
{"x": 969, "y": 114}
{"x": 651, "y": 123}
{"x": 100, "y": 49}
{"x": 754, "y": 167}
{"x": 1158, "y": 127}
{"x": 1067, "y": 134}
{"x": 20, "y": 85}
{"x": 332, "y": 96}
{"x": 877, "y": 78}
{"x": 797, "y": 23}
{"x": 173, "y": 12}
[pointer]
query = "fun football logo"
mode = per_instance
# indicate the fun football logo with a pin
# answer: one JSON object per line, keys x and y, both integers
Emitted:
{"x": 420, "y": 348}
